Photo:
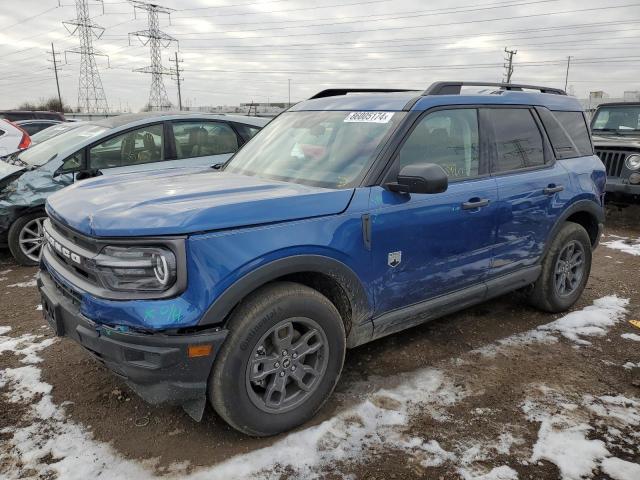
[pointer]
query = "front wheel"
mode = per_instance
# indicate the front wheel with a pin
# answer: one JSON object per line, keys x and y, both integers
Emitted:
{"x": 281, "y": 361}
{"x": 26, "y": 237}
{"x": 565, "y": 270}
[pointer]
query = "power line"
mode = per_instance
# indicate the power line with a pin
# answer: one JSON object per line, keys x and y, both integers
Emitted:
{"x": 156, "y": 39}
{"x": 406, "y": 27}
{"x": 91, "y": 97}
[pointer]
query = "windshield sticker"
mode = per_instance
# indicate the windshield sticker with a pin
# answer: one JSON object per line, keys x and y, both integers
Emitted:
{"x": 369, "y": 117}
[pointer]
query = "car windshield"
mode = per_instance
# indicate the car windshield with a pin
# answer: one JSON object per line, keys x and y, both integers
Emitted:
{"x": 618, "y": 118}
{"x": 43, "y": 152}
{"x": 326, "y": 149}
{"x": 52, "y": 131}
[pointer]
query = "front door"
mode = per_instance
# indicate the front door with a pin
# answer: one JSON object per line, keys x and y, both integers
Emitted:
{"x": 427, "y": 245}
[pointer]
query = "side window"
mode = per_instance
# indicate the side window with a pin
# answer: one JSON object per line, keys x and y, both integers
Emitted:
{"x": 144, "y": 145}
{"x": 247, "y": 131}
{"x": 199, "y": 139}
{"x": 519, "y": 142}
{"x": 73, "y": 163}
{"x": 448, "y": 138}
{"x": 575, "y": 125}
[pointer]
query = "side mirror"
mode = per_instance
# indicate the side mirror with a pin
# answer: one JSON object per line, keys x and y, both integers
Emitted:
{"x": 421, "y": 178}
{"x": 84, "y": 174}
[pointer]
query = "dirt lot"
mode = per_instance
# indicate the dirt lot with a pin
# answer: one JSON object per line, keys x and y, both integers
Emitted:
{"x": 495, "y": 392}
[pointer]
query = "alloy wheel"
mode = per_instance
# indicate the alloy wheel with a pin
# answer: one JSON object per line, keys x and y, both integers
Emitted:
{"x": 287, "y": 364}
{"x": 31, "y": 239}
{"x": 569, "y": 268}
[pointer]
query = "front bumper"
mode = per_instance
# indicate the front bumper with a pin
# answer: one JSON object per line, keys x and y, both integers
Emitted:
{"x": 616, "y": 185}
{"x": 155, "y": 365}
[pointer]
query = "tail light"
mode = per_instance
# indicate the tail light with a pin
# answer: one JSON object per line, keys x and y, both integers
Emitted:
{"x": 25, "y": 141}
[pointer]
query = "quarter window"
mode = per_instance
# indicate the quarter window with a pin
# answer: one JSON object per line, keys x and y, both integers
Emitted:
{"x": 144, "y": 145}
{"x": 518, "y": 140}
{"x": 448, "y": 138}
{"x": 199, "y": 139}
{"x": 576, "y": 127}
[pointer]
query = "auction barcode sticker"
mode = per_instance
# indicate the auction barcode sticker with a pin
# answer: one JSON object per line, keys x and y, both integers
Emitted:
{"x": 369, "y": 117}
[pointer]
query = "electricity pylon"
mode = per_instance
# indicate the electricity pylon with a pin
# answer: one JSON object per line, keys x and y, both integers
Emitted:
{"x": 91, "y": 97}
{"x": 156, "y": 39}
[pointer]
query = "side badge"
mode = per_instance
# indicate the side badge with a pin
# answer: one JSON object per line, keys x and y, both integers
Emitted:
{"x": 394, "y": 259}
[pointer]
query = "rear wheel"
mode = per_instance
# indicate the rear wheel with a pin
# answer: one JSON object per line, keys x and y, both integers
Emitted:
{"x": 565, "y": 270}
{"x": 26, "y": 237}
{"x": 281, "y": 361}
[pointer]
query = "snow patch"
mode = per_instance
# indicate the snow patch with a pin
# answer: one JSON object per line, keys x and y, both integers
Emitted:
{"x": 24, "y": 345}
{"x": 592, "y": 321}
{"x": 631, "y": 336}
{"x": 619, "y": 469}
{"x": 498, "y": 473}
{"x": 624, "y": 244}
{"x": 563, "y": 436}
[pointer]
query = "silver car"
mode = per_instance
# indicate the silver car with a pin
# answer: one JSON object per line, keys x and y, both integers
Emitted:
{"x": 122, "y": 144}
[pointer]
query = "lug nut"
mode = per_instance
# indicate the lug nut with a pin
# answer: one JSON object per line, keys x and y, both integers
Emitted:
{"x": 276, "y": 365}
{"x": 293, "y": 368}
{"x": 284, "y": 353}
{"x": 282, "y": 374}
{"x": 295, "y": 355}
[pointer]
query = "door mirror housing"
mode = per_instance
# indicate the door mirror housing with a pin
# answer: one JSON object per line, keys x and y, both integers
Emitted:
{"x": 84, "y": 174}
{"x": 420, "y": 178}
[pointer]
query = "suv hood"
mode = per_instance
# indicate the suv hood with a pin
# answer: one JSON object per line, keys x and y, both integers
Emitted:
{"x": 613, "y": 140}
{"x": 183, "y": 201}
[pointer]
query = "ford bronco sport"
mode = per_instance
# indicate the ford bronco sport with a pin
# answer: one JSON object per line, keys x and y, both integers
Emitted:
{"x": 616, "y": 137}
{"x": 355, "y": 214}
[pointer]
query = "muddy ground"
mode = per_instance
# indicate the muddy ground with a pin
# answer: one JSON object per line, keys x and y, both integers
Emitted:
{"x": 497, "y": 385}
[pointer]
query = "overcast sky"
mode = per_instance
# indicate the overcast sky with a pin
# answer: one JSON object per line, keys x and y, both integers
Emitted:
{"x": 242, "y": 50}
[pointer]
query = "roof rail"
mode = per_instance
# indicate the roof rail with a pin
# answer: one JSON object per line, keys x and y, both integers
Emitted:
{"x": 454, "y": 88}
{"x": 334, "y": 92}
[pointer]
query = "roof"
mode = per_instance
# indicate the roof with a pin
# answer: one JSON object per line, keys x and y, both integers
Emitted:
{"x": 133, "y": 119}
{"x": 619, "y": 104}
{"x": 419, "y": 100}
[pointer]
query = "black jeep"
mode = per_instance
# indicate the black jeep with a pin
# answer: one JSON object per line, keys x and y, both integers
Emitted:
{"x": 616, "y": 137}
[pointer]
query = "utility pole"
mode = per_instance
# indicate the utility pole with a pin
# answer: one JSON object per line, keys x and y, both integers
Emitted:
{"x": 289, "y": 93}
{"x": 156, "y": 39}
{"x": 91, "y": 98}
{"x": 509, "y": 65}
{"x": 566, "y": 77}
{"x": 54, "y": 60}
{"x": 176, "y": 71}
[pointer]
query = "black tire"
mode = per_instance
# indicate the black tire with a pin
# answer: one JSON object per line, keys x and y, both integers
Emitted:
{"x": 231, "y": 392}
{"x": 545, "y": 295}
{"x": 14, "y": 238}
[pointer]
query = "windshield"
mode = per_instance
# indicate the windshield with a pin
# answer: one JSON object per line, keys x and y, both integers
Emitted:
{"x": 52, "y": 131}
{"x": 326, "y": 149}
{"x": 618, "y": 118}
{"x": 43, "y": 152}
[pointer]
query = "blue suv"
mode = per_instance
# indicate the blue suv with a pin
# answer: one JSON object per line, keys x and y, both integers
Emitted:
{"x": 353, "y": 215}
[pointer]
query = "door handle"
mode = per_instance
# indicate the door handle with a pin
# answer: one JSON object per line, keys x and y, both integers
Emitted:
{"x": 551, "y": 189}
{"x": 475, "y": 203}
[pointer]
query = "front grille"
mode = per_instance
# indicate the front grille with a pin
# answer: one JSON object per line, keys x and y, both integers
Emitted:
{"x": 67, "y": 292}
{"x": 72, "y": 251}
{"x": 613, "y": 160}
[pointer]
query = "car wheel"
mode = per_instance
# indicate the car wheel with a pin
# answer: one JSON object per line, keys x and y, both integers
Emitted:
{"x": 565, "y": 270}
{"x": 281, "y": 360}
{"x": 26, "y": 237}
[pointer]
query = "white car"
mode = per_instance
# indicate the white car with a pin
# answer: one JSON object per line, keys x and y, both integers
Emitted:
{"x": 12, "y": 138}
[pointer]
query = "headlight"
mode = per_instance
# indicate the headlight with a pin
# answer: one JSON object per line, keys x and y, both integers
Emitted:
{"x": 633, "y": 162}
{"x": 136, "y": 269}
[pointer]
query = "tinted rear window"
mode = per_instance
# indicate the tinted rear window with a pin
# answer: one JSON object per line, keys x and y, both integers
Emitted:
{"x": 518, "y": 140}
{"x": 576, "y": 126}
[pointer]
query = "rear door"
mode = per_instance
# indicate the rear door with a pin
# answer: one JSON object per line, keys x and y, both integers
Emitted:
{"x": 532, "y": 186}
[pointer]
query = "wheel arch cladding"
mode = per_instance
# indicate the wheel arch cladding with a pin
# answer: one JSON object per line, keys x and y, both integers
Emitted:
{"x": 586, "y": 213}
{"x": 333, "y": 279}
